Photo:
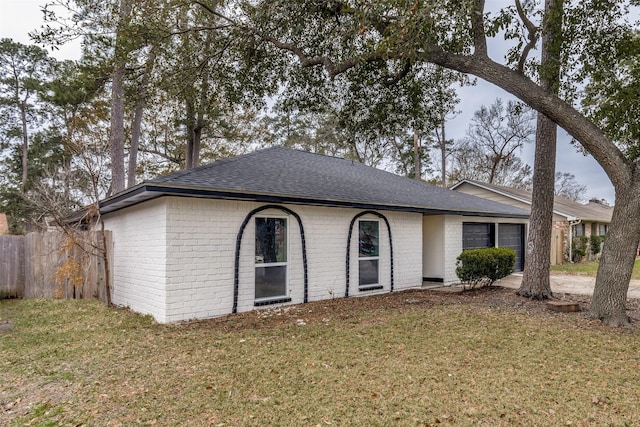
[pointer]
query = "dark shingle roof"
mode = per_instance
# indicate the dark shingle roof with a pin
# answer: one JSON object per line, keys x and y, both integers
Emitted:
{"x": 591, "y": 211}
{"x": 290, "y": 176}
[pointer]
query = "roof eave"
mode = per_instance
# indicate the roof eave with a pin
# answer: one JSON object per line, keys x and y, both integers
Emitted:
{"x": 511, "y": 196}
{"x": 148, "y": 191}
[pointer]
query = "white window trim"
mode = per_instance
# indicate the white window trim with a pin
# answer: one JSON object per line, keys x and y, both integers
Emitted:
{"x": 272, "y": 264}
{"x": 369, "y": 286}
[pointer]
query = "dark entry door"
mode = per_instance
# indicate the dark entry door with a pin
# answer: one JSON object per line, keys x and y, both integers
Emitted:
{"x": 512, "y": 236}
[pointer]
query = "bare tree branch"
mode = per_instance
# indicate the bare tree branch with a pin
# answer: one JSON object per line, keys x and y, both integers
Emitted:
{"x": 533, "y": 36}
{"x": 392, "y": 80}
{"x": 590, "y": 136}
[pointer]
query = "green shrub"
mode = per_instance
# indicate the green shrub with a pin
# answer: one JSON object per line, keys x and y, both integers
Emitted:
{"x": 595, "y": 244}
{"x": 482, "y": 267}
{"x": 579, "y": 248}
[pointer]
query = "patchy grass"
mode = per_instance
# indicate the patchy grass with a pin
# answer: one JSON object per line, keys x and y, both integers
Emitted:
{"x": 589, "y": 269}
{"x": 416, "y": 358}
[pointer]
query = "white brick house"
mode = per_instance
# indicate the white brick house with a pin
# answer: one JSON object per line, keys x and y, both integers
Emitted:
{"x": 281, "y": 226}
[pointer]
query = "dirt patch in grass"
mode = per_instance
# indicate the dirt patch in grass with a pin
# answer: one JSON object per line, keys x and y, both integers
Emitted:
{"x": 358, "y": 308}
{"x": 5, "y": 325}
{"x": 414, "y": 358}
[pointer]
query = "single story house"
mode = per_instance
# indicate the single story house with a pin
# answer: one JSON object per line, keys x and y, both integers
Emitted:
{"x": 280, "y": 226}
{"x": 570, "y": 219}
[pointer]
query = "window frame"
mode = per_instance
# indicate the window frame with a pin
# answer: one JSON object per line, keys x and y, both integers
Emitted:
{"x": 602, "y": 229}
{"x": 376, "y": 285}
{"x": 276, "y": 298}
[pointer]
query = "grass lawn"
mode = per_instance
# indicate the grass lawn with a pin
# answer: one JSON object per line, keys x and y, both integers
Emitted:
{"x": 408, "y": 359}
{"x": 589, "y": 269}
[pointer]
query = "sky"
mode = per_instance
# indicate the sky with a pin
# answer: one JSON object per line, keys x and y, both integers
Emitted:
{"x": 19, "y": 17}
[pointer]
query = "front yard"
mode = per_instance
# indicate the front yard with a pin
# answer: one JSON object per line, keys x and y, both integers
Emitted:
{"x": 415, "y": 358}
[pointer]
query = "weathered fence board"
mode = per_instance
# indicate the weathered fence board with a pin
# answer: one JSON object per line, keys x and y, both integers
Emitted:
{"x": 11, "y": 266}
{"x": 60, "y": 265}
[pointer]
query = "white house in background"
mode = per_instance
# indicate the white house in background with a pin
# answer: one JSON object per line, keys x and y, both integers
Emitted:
{"x": 570, "y": 219}
{"x": 281, "y": 226}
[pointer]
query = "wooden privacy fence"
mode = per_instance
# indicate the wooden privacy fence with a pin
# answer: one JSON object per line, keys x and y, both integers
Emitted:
{"x": 11, "y": 266}
{"x": 53, "y": 265}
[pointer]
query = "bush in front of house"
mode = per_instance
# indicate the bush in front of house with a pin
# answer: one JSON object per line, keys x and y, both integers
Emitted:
{"x": 482, "y": 267}
{"x": 595, "y": 244}
{"x": 579, "y": 245}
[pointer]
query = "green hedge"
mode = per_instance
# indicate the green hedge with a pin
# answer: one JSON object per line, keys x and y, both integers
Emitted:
{"x": 482, "y": 267}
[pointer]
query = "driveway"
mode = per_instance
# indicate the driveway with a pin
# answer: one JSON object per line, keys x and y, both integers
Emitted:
{"x": 579, "y": 285}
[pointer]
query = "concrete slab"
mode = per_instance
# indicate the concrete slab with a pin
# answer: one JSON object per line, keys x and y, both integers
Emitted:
{"x": 578, "y": 285}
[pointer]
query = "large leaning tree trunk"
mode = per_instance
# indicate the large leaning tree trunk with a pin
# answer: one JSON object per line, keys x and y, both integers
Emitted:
{"x": 535, "y": 280}
{"x": 618, "y": 256}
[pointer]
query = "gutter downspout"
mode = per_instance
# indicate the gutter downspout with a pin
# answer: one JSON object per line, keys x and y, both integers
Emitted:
{"x": 572, "y": 222}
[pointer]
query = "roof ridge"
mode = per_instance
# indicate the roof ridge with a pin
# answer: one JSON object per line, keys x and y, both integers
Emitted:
{"x": 187, "y": 172}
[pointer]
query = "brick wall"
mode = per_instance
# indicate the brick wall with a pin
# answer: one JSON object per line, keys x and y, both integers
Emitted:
{"x": 138, "y": 262}
{"x": 199, "y": 237}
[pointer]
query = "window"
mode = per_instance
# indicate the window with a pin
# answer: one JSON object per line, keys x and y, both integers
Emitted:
{"x": 578, "y": 230}
{"x": 369, "y": 255}
{"x": 476, "y": 235}
{"x": 603, "y": 230}
{"x": 271, "y": 258}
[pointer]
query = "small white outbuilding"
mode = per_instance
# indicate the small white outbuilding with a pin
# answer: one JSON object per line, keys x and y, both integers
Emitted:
{"x": 281, "y": 226}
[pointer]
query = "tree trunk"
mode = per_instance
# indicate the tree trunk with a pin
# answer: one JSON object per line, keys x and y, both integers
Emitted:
{"x": 25, "y": 145}
{"x": 443, "y": 152}
{"x": 116, "y": 141}
{"x": 137, "y": 118}
{"x": 191, "y": 126}
{"x": 417, "y": 167}
{"x": 618, "y": 256}
{"x": 116, "y": 144}
{"x": 535, "y": 279}
{"x": 197, "y": 137}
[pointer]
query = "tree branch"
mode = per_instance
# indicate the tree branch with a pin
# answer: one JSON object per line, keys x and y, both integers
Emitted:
{"x": 392, "y": 80}
{"x": 306, "y": 61}
{"x": 600, "y": 146}
{"x": 477, "y": 27}
{"x": 533, "y": 36}
{"x": 173, "y": 159}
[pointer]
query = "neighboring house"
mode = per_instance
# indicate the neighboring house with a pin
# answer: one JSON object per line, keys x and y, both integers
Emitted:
{"x": 281, "y": 226}
{"x": 570, "y": 219}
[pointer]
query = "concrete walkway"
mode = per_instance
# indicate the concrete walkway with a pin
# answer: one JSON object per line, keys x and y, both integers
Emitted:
{"x": 579, "y": 285}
